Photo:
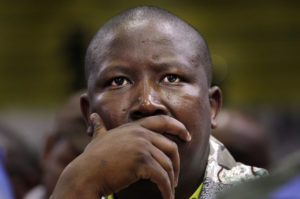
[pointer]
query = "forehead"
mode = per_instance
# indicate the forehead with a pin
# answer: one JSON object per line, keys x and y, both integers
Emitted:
{"x": 150, "y": 33}
{"x": 155, "y": 40}
{"x": 149, "y": 42}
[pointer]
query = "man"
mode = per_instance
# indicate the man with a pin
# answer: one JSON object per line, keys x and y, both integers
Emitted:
{"x": 150, "y": 109}
{"x": 5, "y": 184}
{"x": 19, "y": 168}
{"x": 63, "y": 145}
{"x": 244, "y": 137}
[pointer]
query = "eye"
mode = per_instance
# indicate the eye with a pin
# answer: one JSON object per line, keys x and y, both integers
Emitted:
{"x": 119, "y": 81}
{"x": 171, "y": 78}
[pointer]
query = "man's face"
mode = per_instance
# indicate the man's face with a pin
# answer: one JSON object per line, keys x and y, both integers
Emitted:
{"x": 151, "y": 68}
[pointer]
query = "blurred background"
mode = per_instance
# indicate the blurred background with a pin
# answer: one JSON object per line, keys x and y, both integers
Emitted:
{"x": 255, "y": 48}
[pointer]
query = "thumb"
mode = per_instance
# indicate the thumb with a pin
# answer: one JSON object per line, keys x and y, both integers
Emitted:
{"x": 97, "y": 124}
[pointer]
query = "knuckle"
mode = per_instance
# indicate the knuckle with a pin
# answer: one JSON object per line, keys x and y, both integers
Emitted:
{"x": 165, "y": 177}
{"x": 139, "y": 132}
{"x": 142, "y": 155}
{"x": 174, "y": 146}
{"x": 169, "y": 166}
{"x": 143, "y": 158}
{"x": 141, "y": 142}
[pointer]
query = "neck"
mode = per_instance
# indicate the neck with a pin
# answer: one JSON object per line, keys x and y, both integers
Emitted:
{"x": 188, "y": 185}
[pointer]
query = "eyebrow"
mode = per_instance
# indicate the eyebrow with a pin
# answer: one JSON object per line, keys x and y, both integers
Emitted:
{"x": 121, "y": 68}
{"x": 171, "y": 65}
{"x": 109, "y": 69}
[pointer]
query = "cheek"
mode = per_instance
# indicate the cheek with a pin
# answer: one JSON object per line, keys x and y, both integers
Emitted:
{"x": 191, "y": 107}
{"x": 113, "y": 110}
{"x": 197, "y": 111}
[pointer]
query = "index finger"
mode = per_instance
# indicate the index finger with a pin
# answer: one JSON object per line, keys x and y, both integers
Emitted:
{"x": 166, "y": 124}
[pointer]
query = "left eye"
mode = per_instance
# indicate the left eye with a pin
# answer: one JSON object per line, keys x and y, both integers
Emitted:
{"x": 171, "y": 78}
{"x": 119, "y": 81}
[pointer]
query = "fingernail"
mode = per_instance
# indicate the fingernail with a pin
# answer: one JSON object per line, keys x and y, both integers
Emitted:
{"x": 189, "y": 138}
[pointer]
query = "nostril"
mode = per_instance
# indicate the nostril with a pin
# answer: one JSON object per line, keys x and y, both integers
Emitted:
{"x": 138, "y": 114}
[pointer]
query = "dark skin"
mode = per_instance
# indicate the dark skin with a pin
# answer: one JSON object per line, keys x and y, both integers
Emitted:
{"x": 157, "y": 109}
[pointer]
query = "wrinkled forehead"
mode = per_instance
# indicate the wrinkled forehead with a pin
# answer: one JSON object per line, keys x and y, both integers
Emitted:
{"x": 149, "y": 35}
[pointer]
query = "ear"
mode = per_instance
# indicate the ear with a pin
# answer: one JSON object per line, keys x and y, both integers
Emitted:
{"x": 215, "y": 100}
{"x": 85, "y": 110}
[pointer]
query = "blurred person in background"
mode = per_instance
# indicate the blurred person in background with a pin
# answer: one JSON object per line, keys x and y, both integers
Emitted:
{"x": 245, "y": 138}
{"x": 282, "y": 183}
{"x": 6, "y": 191}
{"x": 19, "y": 162}
{"x": 66, "y": 142}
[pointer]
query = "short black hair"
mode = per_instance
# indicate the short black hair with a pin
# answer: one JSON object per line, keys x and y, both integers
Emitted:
{"x": 143, "y": 13}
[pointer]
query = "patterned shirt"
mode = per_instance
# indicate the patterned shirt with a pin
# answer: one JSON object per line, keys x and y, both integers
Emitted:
{"x": 223, "y": 171}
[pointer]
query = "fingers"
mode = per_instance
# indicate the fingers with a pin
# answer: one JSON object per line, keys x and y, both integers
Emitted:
{"x": 166, "y": 149}
{"x": 166, "y": 124}
{"x": 166, "y": 154}
{"x": 165, "y": 162}
{"x": 97, "y": 124}
{"x": 155, "y": 173}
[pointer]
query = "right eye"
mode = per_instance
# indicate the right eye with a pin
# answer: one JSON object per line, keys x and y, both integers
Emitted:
{"x": 171, "y": 78}
{"x": 119, "y": 81}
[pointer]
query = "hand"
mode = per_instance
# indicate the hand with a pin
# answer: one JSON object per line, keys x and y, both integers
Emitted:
{"x": 119, "y": 157}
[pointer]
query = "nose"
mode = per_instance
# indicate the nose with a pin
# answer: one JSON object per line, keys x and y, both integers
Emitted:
{"x": 148, "y": 103}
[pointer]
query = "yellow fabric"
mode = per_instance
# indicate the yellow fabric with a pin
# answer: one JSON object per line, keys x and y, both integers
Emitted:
{"x": 110, "y": 197}
{"x": 194, "y": 196}
{"x": 197, "y": 192}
